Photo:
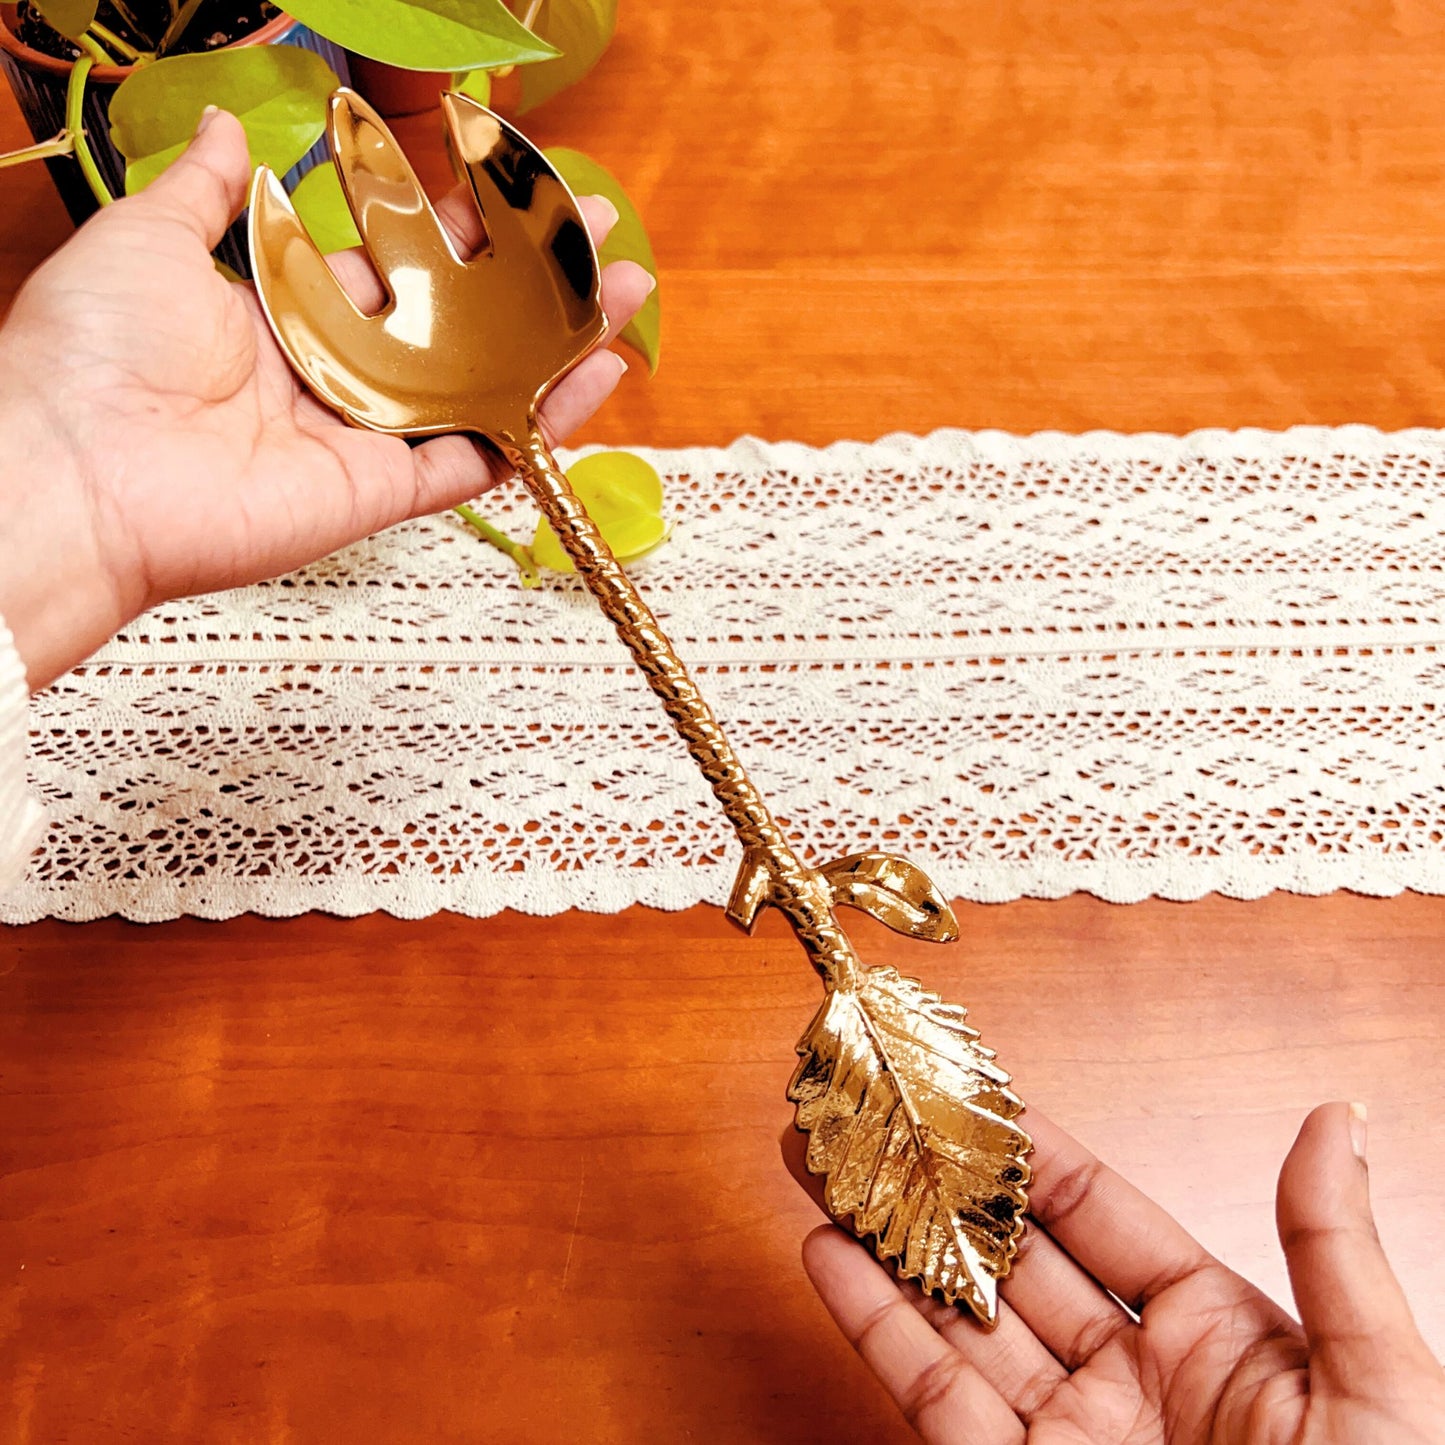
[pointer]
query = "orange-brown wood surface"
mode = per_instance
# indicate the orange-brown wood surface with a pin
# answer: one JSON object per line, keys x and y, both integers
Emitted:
{"x": 517, "y": 1180}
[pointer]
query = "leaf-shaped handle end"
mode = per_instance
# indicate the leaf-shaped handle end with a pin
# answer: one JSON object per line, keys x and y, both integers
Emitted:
{"x": 895, "y": 892}
{"x": 911, "y": 1122}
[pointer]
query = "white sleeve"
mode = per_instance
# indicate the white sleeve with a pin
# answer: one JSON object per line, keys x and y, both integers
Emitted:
{"x": 20, "y": 816}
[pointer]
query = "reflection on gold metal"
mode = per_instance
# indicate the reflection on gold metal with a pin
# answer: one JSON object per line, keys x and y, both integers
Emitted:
{"x": 908, "y": 1116}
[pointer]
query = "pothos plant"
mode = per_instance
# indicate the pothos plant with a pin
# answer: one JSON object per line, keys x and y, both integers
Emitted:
{"x": 180, "y": 62}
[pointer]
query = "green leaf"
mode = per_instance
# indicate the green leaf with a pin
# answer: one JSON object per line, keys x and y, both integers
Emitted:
{"x": 321, "y": 204}
{"x": 624, "y": 496}
{"x": 278, "y": 91}
{"x": 72, "y": 18}
{"x": 627, "y": 242}
{"x": 580, "y": 29}
{"x": 425, "y": 34}
{"x": 474, "y": 83}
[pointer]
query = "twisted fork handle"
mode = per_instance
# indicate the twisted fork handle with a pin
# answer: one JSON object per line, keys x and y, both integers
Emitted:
{"x": 798, "y": 891}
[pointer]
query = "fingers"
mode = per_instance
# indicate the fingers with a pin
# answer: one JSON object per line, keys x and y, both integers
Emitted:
{"x": 451, "y": 470}
{"x": 1066, "y": 1310}
{"x": 1117, "y": 1234}
{"x": 941, "y": 1394}
{"x": 458, "y": 213}
{"x": 600, "y": 215}
{"x": 625, "y": 286}
{"x": 204, "y": 189}
{"x": 1353, "y": 1310}
{"x": 574, "y": 400}
{"x": 1010, "y": 1356}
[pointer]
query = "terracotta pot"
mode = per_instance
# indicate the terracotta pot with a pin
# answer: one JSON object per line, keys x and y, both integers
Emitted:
{"x": 394, "y": 91}
{"x": 39, "y": 83}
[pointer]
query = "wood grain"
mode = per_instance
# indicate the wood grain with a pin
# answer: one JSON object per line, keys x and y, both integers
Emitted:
{"x": 516, "y": 1180}
{"x": 322, "y": 1180}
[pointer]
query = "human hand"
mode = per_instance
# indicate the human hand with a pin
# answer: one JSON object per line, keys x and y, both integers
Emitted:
{"x": 1204, "y": 1358}
{"x": 156, "y": 440}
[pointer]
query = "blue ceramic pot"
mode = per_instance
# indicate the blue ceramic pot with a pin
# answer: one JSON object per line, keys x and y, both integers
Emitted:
{"x": 39, "y": 83}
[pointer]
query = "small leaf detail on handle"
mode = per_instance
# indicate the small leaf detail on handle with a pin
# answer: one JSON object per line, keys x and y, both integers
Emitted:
{"x": 910, "y": 1120}
{"x": 895, "y": 892}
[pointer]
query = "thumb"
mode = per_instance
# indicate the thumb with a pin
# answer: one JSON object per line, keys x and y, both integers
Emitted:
{"x": 204, "y": 188}
{"x": 1351, "y": 1305}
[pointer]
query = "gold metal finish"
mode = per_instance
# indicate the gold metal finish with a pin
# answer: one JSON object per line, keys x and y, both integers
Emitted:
{"x": 909, "y": 1118}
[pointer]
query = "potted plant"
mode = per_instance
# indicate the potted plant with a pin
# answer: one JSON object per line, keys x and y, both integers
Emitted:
{"x": 66, "y": 61}
{"x": 112, "y": 91}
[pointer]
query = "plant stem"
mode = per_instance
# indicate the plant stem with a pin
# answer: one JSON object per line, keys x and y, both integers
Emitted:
{"x": 75, "y": 124}
{"x": 503, "y": 543}
{"x": 61, "y": 145}
{"x": 121, "y": 47}
{"x": 176, "y": 28}
{"x": 534, "y": 9}
{"x": 92, "y": 48}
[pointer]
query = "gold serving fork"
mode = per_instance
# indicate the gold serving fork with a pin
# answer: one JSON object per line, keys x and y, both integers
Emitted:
{"x": 908, "y": 1117}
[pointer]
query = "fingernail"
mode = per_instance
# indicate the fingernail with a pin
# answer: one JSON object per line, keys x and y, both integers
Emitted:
{"x": 608, "y": 207}
{"x": 651, "y": 283}
{"x": 207, "y": 116}
{"x": 621, "y": 364}
{"x": 1359, "y": 1129}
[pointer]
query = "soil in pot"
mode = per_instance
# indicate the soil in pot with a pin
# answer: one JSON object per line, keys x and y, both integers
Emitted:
{"x": 215, "y": 23}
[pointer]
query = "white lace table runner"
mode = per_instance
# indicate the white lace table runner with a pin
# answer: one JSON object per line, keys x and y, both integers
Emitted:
{"x": 1132, "y": 665}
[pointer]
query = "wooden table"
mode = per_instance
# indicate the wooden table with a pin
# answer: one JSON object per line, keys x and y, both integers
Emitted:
{"x": 517, "y": 1180}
